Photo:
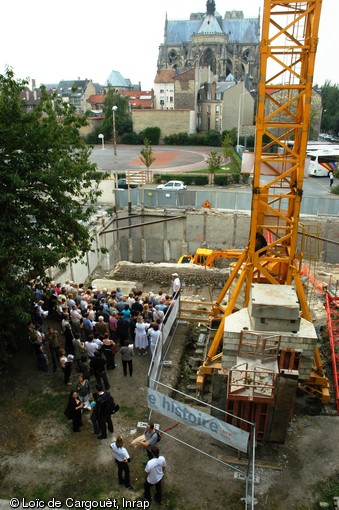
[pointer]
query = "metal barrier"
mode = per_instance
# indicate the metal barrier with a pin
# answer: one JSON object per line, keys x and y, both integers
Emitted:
{"x": 237, "y": 200}
{"x": 166, "y": 329}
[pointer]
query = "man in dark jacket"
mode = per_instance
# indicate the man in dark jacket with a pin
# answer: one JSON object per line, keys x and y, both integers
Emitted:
{"x": 98, "y": 365}
{"x": 102, "y": 412}
{"x": 122, "y": 329}
{"x": 137, "y": 307}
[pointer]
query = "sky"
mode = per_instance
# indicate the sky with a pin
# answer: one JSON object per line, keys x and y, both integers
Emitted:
{"x": 67, "y": 40}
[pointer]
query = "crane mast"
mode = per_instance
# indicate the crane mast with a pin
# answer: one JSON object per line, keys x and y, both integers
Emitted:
{"x": 287, "y": 58}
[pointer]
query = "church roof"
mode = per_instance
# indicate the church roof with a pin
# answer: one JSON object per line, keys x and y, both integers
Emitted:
{"x": 115, "y": 79}
{"x": 165, "y": 76}
{"x": 243, "y": 31}
{"x": 210, "y": 25}
{"x": 224, "y": 85}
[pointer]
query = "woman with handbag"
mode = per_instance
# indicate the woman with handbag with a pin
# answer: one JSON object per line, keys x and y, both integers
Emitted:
{"x": 109, "y": 350}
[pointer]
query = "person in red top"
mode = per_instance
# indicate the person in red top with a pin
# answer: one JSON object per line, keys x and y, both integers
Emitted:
{"x": 113, "y": 325}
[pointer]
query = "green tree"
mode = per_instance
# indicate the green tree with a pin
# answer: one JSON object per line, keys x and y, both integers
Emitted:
{"x": 213, "y": 161}
{"x": 330, "y": 104}
{"x": 123, "y": 118}
{"x": 229, "y": 152}
{"x": 152, "y": 134}
{"x": 47, "y": 192}
{"x": 147, "y": 158}
{"x": 232, "y": 134}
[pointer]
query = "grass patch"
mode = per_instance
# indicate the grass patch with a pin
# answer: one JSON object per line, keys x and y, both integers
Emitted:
{"x": 43, "y": 492}
{"x": 173, "y": 499}
{"x": 324, "y": 491}
{"x": 231, "y": 168}
{"x": 328, "y": 488}
{"x": 335, "y": 190}
{"x": 5, "y": 402}
{"x": 54, "y": 450}
{"x": 131, "y": 413}
{"x": 88, "y": 484}
{"x": 39, "y": 405}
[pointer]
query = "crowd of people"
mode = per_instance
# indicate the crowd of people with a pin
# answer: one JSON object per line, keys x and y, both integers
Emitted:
{"x": 91, "y": 321}
{"x": 81, "y": 330}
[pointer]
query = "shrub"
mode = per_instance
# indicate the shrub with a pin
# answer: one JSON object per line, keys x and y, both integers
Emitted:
{"x": 200, "y": 180}
{"x": 335, "y": 190}
{"x": 221, "y": 180}
{"x": 235, "y": 178}
{"x": 130, "y": 138}
{"x": 177, "y": 139}
{"x": 198, "y": 139}
{"x": 152, "y": 134}
{"x": 157, "y": 178}
{"x": 213, "y": 139}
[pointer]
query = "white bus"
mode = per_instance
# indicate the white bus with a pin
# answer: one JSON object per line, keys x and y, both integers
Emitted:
{"x": 322, "y": 161}
{"x": 317, "y": 146}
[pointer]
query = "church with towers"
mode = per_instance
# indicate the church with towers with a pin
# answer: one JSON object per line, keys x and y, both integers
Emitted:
{"x": 228, "y": 45}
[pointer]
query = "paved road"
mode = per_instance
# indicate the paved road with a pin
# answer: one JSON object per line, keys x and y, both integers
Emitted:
{"x": 173, "y": 160}
{"x": 168, "y": 158}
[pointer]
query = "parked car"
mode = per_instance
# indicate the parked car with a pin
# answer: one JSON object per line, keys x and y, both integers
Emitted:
{"x": 171, "y": 185}
{"x": 123, "y": 184}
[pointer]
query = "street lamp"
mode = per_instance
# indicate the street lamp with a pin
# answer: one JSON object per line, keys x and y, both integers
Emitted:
{"x": 114, "y": 109}
{"x": 240, "y": 113}
{"x": 102, "y": 141}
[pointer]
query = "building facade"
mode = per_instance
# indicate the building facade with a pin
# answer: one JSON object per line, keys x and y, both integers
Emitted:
{"x": 229, "y": 45}
{"x": 76, "y": 93}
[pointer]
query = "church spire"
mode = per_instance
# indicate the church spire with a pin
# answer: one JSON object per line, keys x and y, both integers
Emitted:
{"x": 210, "y": 6}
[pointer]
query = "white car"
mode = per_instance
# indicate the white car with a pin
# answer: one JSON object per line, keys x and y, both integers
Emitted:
{"x": 171, "y": 185}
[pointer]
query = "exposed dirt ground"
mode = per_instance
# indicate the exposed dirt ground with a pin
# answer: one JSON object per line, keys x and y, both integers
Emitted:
{"x": 42, "y": 458}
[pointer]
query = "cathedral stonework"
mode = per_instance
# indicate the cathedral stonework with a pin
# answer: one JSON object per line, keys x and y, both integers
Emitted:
{"x": 228, "y": 45}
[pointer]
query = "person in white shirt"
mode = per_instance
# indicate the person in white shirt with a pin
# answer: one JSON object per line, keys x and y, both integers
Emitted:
{"x": 154, "y": 472}
{"x": 97, "y": 341}
{"x": 131, "y": 299}
{"x": 158, "y": 315}
{"x": 76, "y": 318}
{"x": 91, "y": 347}
{"x": 153, "y": 335}
{"x": 175, "y": 284}
{"x": 122, "y": 459}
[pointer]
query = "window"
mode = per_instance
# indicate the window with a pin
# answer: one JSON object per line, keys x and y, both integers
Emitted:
{"x": 217, "y": 110}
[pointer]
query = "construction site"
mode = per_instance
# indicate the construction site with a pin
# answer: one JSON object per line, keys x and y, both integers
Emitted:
{"x": 264, "y": 344}
{"x": 249, "y": 354}
{"x": 258, "y": 342}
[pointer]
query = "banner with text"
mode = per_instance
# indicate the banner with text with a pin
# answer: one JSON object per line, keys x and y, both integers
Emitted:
{"x": 203, "y": 422}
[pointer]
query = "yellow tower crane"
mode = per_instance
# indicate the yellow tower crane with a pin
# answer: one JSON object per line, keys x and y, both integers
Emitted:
{"x": 287, "y": 57}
